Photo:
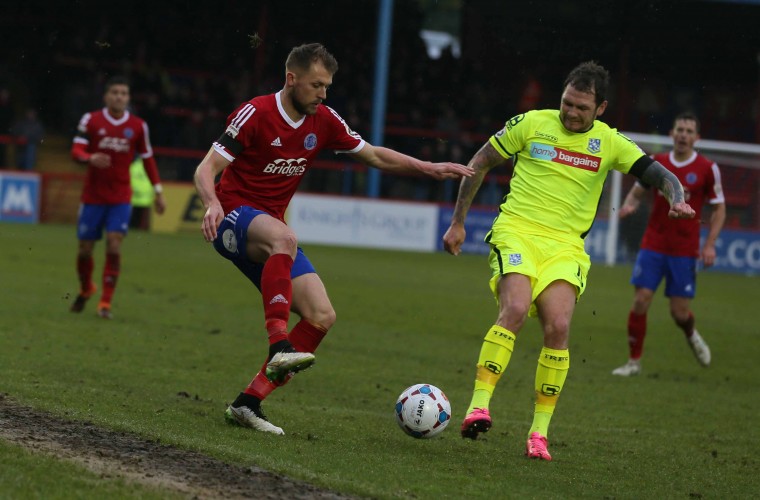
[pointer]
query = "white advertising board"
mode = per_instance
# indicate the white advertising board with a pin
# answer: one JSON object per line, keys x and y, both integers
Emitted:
{"x": 358, "y": 222}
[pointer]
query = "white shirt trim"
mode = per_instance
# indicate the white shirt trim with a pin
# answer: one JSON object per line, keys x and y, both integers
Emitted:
{"x": 679, "y": 164}
{"x": 284, "y": 114}
{"x": 114, "y": 121}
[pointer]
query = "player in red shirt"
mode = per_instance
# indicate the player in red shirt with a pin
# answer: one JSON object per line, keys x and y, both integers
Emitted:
{"x": 107, "y": 141}
{"x": 670, "y": 247}
{"x": 269, "y": 144}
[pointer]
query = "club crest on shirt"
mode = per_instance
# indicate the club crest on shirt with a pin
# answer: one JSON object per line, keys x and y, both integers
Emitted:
{"x": 515, "y": 259}
{"x": 691, "y": 178}
{"x": 129, "y": 133}
{"x": 310, "y": 142}
{"x": 594, "y": 145}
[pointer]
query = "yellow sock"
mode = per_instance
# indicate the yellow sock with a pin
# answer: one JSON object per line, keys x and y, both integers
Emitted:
{"x": 550, "y": 377}
{"x": 495, "y": 353}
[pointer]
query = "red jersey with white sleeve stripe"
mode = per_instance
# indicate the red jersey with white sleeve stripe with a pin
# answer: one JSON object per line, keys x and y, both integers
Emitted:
{"x": 270, "y": 153}
{"x": 121, "y": 139}
{"x": 700, "y": 178}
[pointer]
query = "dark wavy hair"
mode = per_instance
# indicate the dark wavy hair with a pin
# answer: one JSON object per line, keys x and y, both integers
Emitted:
{"x": 590, "y": 77}
{"x": 116, "y": 80}
{"x": 687, "y": 116}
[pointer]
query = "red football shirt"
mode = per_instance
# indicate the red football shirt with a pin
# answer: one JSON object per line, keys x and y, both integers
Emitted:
{"x": 121, "y": 139}
{"x": 270, "y": 153}
{"x": 700, "y": 178}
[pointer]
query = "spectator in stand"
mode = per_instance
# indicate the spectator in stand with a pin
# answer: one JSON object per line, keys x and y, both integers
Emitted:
{"x": 6, "y": 120}
{"x": 670, "y": 247}
{"x": 28, "y": 133}
{"x": 107, "y": 141}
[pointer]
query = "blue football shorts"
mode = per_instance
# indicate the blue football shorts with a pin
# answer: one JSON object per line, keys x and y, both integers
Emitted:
{"x": 680, "y": 273}
{"x": 93, "y": 218}
{"x": 232, "y": 238}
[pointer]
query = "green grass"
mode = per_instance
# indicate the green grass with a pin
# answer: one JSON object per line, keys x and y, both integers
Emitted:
{"x": 187, "y": 322}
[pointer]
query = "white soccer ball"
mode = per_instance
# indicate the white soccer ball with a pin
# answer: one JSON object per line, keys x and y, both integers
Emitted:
{"x": 423, "y": 411}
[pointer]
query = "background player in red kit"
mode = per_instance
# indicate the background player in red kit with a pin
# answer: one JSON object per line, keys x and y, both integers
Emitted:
{"x": 670, "y": 247}
{"x": 107, "y": 141}
{"x": 269, "y": 144}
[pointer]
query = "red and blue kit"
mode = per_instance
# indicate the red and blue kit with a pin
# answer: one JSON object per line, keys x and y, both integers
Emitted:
{"x": 122, "y": 139}
{"x": 700, "y": 178}
{"x": 270, "y": 153}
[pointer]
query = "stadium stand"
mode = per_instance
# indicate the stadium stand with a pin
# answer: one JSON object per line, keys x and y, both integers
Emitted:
{"x": 187, "y": 73}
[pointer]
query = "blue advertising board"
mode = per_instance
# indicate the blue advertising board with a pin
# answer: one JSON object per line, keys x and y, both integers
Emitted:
{"x": 737, "y": 251}
{"x": 477, "y": 225}
{"x": 19, "y": 197}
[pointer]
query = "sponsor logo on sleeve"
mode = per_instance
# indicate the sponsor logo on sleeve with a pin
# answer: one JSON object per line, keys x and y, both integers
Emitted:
{"x": 232, "y": 131}
{"x": 629, "y": 140}
{"x": 514, "y": 121}
{"x": 345, "y": 125}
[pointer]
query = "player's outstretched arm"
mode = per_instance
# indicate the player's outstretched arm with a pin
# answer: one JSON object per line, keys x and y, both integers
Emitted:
{"x": 663, "y": 179}
{"x": 392, "y": 161}
{"x": 483, "y": 161}
{"x": 632, "y": 200}
{"x": 211, "y": 166}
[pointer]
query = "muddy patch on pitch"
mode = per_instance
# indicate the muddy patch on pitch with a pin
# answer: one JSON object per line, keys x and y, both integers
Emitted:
{"x": 120, "y": 454}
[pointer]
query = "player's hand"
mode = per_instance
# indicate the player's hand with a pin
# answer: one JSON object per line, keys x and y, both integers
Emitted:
{"x": 159, "y": 203}
{"x": 708, "y": 255}
{"x": 446, "y": 170}
{"x": 681, "y": 210}
{"x": 626, "y": 210}
{"x": 453, "y": 239}
{"x": 100, "y": 160}
{"x": 211, "y": 220}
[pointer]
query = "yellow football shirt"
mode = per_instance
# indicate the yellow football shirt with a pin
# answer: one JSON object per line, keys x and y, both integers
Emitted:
{"x": 558, "y": 175}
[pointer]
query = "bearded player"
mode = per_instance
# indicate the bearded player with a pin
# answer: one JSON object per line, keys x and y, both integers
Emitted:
{"x": 270, "y": 142}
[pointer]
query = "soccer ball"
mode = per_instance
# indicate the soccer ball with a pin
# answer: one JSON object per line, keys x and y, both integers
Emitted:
{"x": 423, "y": 411}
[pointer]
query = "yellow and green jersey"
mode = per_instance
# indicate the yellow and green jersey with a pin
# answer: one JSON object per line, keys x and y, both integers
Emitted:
{"x": 142, "y": 189}
{"x": 558, "y": 175}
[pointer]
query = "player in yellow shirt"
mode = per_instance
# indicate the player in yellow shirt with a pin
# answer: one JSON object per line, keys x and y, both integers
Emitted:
{"x": 538, "y": 261}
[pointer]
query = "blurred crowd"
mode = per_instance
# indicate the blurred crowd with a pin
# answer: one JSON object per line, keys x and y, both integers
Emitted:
{"x": 190, "y": 67}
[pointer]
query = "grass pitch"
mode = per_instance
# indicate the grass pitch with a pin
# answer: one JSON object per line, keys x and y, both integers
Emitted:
{"x": 188, "y": 336}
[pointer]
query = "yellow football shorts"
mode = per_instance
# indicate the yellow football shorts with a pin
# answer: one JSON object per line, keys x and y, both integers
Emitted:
{"x": 541, "y": 258}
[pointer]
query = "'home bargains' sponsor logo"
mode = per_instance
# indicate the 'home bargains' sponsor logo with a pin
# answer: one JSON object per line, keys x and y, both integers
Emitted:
{"x": 565, "y": 157}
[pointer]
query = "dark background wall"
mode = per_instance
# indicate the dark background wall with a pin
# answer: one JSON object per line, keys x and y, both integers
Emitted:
{"x": 197, "y": 55}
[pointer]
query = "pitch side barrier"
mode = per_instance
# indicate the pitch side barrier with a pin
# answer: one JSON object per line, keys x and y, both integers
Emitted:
{"x": 361, "y": 222}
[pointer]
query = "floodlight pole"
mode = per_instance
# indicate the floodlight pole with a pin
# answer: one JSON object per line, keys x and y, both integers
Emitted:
{"x": 382, "y": 55}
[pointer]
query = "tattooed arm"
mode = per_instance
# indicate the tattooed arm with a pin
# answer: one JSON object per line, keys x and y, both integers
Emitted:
{"x": 655, "y": 174}
{"x": 483, "y": 161}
